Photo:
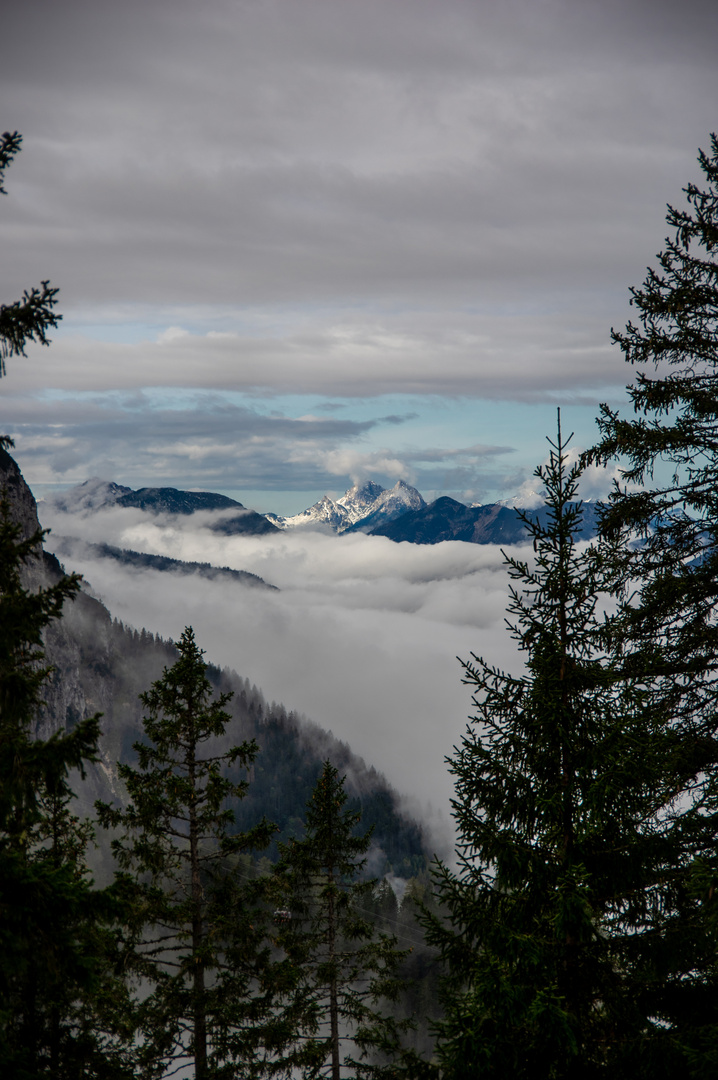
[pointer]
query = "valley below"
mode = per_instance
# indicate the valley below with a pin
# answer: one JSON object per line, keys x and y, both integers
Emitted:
{"x": 359, "y": 634}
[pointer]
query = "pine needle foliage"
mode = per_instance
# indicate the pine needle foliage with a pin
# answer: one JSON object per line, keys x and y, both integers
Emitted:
{"x": 28, "y": 319}
{"x": 668, "y": 454}
{"x": 199, "y": 949}
{"x": 563, "y": 941}
{"x": 58, "y": 936}
{"x": 344, "y": 973}
{"x": 667, "y": 495}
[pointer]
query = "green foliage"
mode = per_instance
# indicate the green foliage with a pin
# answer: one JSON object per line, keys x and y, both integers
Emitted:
{"x": 28, "y": 764}
{"x": 57, "y": 944}
{"x": 667, "y": 496}
{"x": 10, "y": 143}
{"x": 28, "y": 319}
{"x": 198, "y": 948}
{"x": 343, "y": 973}
{"x": 668, "y": 455}
{"x": 567, "y": 934}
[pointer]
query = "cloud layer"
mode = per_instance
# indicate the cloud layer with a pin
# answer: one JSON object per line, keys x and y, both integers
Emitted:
{"x": 362, "y": 636}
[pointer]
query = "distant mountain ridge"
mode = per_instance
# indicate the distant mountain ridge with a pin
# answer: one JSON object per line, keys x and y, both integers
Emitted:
{"x": 399, "y": 513}
{"x": 494, "y": 523}
{"x": 141, "y": 560}
{"x": 402, "y": 514}
{"x": 94, "y": 494}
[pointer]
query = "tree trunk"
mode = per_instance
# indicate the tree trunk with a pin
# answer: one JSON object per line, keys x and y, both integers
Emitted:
{"x": 198, "y": 988}
{"x": 333, "y": 1002}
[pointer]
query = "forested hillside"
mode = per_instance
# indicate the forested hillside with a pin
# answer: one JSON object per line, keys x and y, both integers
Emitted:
{"x": 101, "y": 665}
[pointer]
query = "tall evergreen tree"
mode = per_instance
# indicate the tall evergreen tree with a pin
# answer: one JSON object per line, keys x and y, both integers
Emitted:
{"x": 668, "y": 456}
{"x": 200, "y": 950}
{"x": 564, "y": 941}
{"x": 344, "y": 973}
{"x": 56, "y": 941}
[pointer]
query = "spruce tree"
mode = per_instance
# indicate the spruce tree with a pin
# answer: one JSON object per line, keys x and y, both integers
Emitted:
{"x": 563, "y": 943}
{"x": 199, "y": 948}
{"x": 57, "y": 934}
{"x": 341, "y": 973}
{"x": 667, "y": 454}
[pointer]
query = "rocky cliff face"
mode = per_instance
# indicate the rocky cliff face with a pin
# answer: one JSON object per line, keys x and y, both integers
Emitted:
{"x": 21, "y": 502}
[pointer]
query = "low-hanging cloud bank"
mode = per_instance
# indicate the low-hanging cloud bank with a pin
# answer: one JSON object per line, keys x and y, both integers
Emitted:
{"x": 362, "y": 636}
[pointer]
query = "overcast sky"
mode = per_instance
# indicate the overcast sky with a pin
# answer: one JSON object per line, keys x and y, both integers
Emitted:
{"x": 301, "y": 242}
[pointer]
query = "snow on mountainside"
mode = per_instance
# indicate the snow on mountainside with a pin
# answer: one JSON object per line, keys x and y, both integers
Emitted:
{"x": 359, "y": 500}
{"x": 325, "y": 515}
{"x": 388, "y": 506}
{"x": 361, "y": 507}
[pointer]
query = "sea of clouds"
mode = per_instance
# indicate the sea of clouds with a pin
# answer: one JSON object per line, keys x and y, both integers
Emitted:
{"x": 362, "y": 635}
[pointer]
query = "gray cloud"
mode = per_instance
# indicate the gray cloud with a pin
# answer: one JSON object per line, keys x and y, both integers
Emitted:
{"x": 264, "y": 153}
{"x": 213, "y": 444}
{"x": 515, "y": 354}
{"x": 218, "y": 443}
{"x": 344, "y": 200}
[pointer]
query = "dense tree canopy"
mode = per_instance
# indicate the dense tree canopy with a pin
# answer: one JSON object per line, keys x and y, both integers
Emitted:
{"x": 570, "y": 931}
{"x": 57, "y": 946}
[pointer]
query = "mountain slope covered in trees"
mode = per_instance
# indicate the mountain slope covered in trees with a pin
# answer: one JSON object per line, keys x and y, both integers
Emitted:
{"x": 101, "y": 665}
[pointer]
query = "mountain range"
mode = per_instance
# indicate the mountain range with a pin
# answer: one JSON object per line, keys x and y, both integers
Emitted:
{"x": 494, "y": 523}
{"x": 399, "y": 513}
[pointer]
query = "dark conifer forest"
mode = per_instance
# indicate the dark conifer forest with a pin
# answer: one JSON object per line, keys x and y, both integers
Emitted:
{"x": 196, "y": 882}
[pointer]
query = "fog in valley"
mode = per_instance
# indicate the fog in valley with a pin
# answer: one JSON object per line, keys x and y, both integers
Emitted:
{"x": 362, "y": 636}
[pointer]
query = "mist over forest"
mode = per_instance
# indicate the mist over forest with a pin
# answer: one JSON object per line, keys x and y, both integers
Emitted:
{"x": 361, "y": 635}
{"x": 402, "y": 783}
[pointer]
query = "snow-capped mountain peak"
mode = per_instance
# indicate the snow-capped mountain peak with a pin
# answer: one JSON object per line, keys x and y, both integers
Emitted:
{"x": 358, "y": 500}
{"x": 389, "y": 505}
{"x": 324, "y": 514}
{"x": 361, "y": 507}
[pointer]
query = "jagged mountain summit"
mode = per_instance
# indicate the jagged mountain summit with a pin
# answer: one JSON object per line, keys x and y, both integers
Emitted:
{"x": 94, "y": 494}
{"x": 360, "y": 508}
{"x": 359, "y": 499}
{"x": 388, "y": 506}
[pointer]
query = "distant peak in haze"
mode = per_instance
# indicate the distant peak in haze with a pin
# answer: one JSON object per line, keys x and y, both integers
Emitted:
{"x": 526, "y": 499}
